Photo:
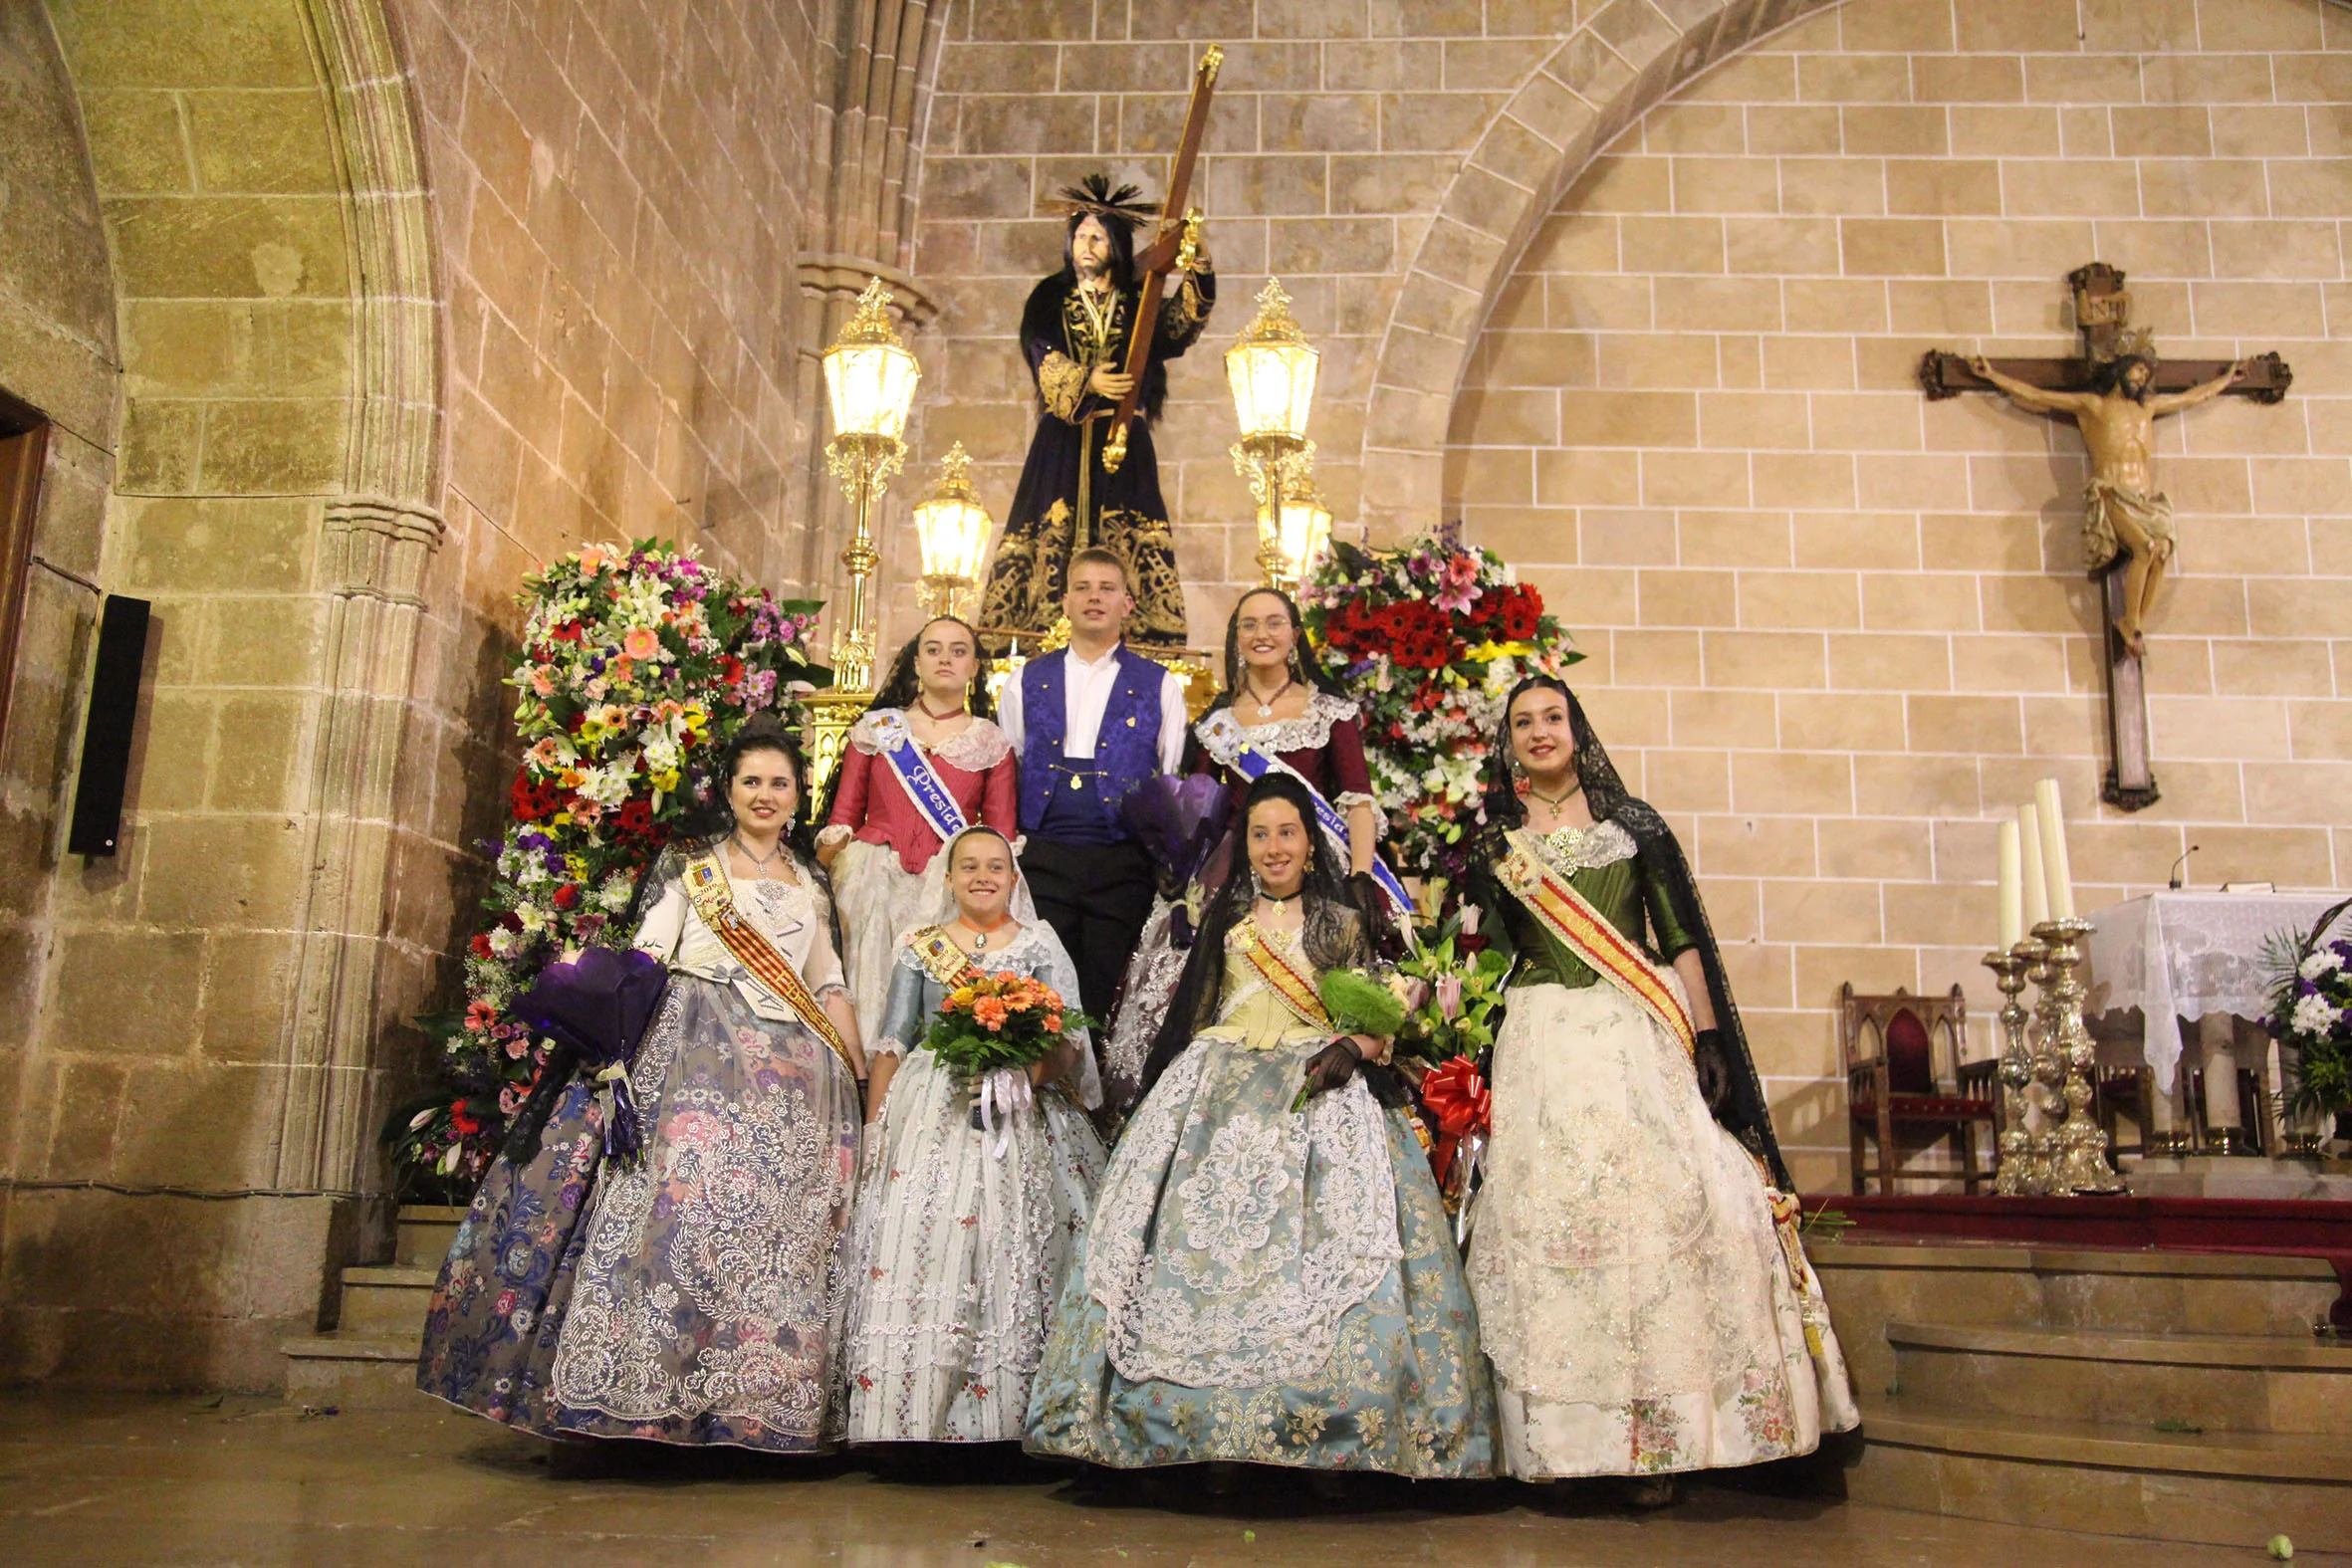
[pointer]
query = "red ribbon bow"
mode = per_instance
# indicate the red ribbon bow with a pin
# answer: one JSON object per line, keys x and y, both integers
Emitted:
{"x": 1456, "y": 1097}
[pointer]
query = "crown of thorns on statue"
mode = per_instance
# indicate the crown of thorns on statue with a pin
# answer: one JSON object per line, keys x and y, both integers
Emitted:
{"x": 1096, "y": 197}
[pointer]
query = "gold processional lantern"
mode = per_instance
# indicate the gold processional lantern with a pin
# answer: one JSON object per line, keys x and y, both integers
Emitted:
{"x": 1302, "y": 531}
{"x": 869, "y": 379}
{"x": 953, "y": 527}
{"x": 1271, "y": 368}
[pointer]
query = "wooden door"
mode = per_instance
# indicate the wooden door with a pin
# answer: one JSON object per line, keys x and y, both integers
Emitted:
{"x": 23, "y": 441}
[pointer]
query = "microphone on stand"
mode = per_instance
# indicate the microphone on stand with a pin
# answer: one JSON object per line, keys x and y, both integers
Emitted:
{"x": 2179, "y": 866}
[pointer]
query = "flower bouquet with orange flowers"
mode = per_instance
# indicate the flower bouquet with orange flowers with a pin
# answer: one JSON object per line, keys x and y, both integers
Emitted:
{"x": 991, "y": 1029}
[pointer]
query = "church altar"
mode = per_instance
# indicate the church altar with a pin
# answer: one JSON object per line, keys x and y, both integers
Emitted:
{"x": 2196, "y": 956}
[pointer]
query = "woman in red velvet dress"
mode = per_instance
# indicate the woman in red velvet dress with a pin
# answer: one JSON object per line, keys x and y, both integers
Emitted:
{"x": 878, "y": 846}
{"x": 1279, "y": 704}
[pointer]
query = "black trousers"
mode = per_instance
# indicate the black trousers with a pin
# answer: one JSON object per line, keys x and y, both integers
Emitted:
{"x": 1096, "y": 898}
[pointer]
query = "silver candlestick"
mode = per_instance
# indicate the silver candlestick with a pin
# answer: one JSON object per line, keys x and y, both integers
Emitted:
{"x": 2014, "y": 1163}
{"x": 2081, "y": 1144}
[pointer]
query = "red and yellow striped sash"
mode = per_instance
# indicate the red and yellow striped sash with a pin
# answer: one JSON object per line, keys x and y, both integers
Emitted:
{"x": 1570, "y": 916}
{"x": 948, "y": 964}
{"x": 706, "y": 889}
{"x": 1294, "y": 991}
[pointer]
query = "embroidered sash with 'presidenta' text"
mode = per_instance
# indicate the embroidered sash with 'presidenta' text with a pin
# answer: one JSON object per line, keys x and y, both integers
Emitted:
{"x": 896, "y": 742}
{"x": 1570, "y": 916}
{"x": 706, "y": 889}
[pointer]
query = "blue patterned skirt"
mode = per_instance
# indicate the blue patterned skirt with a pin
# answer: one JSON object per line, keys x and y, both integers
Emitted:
{"x": 707, "y": 1289}
{"x": 489, "y": 1334}
{"x": 1231, "y": 1220}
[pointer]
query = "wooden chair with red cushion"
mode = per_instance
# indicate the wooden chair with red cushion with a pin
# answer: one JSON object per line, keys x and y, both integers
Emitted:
{"x": 1894, "y": 1092}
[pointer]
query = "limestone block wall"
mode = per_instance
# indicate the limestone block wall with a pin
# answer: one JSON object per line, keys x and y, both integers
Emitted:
{"x": 620, "y": 191}
{"x": 159, "y": 985}
{"x": 1834, "y": 629}
{"x": 56, "y": 353}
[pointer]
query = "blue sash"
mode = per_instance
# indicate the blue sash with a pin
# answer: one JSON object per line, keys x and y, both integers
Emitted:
{"x": 1230, "y": 743}
{"x": 897, "y": 745}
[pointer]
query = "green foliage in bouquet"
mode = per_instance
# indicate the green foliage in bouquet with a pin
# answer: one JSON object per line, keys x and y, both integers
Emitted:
{"x": 1360, "y": 1003}
{"x": 1453, "y": 991}
{"x": 2311, "y": 1012}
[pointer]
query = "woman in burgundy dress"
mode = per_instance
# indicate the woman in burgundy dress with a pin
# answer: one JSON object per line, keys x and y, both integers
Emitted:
{"x": 1276, "y": 704}
{"x": 930, "y": 722}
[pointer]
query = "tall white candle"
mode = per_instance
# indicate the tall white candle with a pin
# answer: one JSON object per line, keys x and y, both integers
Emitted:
{"x": 2036, "y": 887}
{"x": 2012, "y": 892}
{"x": 2054, "y": 865}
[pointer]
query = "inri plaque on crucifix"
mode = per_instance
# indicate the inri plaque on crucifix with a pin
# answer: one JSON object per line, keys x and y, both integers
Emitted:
{"x": 2115, "y": 391}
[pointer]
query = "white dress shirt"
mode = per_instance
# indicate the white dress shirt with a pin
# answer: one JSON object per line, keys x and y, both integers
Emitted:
{"x": 1086, "y": 685}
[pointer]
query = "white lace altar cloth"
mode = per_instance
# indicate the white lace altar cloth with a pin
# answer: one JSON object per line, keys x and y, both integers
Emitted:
{"x": 2187, "y": 954}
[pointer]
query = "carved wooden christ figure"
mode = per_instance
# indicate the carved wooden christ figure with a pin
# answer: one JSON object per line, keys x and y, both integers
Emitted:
{"x": 2121, "y": 510}
{"x": 2115, "y": 390}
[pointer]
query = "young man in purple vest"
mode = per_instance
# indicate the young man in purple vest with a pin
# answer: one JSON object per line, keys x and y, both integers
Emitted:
{"x": 1090, "y": 723}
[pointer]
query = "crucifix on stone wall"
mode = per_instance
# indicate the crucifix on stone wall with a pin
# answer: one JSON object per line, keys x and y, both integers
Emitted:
{"x": 2114, "y": 392}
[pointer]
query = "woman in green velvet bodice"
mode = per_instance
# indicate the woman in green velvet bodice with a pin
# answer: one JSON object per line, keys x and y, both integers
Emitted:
{"x": 1643, "y": 1311}
{"x": 1633, "y": 894}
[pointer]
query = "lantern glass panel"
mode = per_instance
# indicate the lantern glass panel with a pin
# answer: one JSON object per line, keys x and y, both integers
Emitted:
{"x": 1272, "y": 387}
{"x": 871, "y": 388}
{"x": 954, "y": 533}
{"x": 1305, "y": 531}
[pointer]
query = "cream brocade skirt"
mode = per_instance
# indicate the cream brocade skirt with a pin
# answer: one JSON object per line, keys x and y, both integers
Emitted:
{"x": 1633, "y": 1294}
{"x": 879, "y": 901}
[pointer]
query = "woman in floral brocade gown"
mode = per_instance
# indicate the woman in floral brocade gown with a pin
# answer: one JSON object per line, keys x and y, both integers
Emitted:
{"x": 692, "y": 1292}
{"x": 1640, "y": 1286}
{"x": 1259, "y": 1282}
{"x": 709, "y": 1280}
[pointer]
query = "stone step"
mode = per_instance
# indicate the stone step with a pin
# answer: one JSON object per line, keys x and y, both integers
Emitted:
{"x": 426, "y": 1231}
{"x": 2211, "y": 1381}
{"x": 1870, "y": 1282}
{"x": 386, "y": 1301}
{"x": 2213, "y": 1488}
{"x": 356, "y": 1372}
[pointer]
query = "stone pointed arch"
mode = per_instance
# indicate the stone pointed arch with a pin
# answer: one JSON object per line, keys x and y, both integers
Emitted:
{"x": 377, "y": 536}
{"x": 1616, "y": 65}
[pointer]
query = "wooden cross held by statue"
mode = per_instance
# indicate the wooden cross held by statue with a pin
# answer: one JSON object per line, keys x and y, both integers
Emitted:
{"x": 1173, "y": 251}
{"x": 2114, "y": 392}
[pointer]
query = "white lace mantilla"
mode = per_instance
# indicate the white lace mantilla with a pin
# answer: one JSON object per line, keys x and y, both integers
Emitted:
{"x": 1309, "y": 732}
{"x": 1568, "y": 850}
{"x": 1214, "y": 1267}
{"x": 975, "y": 748}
